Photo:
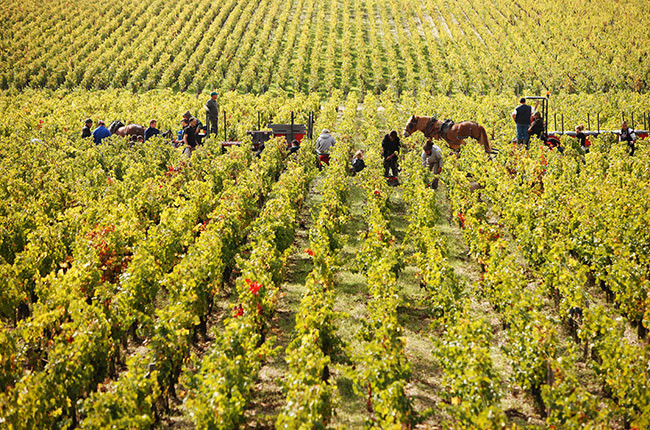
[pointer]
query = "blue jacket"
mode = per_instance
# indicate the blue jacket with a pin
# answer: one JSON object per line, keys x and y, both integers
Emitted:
{"x": 150, "y": 132}
{"x": 100, "y": 133}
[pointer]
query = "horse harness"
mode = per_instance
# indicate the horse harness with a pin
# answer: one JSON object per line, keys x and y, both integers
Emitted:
{"x": 429, "y": 128}
{"x": 444, "y": 128}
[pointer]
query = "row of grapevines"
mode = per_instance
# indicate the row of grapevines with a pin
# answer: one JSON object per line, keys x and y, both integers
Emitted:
{"x": 462, "y": 342}
{"x": 80, "y": 319}
{"x": 189, "y": 288}
{"x": 219, "y": 385}
{"x": 557, "y": 262}
{"x": 382, "y": 368}
{"x": 429, "y": 248}
{"x": 315, "y": 344}
{"x": 120, "y": 184}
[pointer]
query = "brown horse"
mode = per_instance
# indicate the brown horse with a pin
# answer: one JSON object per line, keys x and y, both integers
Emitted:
{"x": 118, "y": 128}
{"x": 453, "y": 134}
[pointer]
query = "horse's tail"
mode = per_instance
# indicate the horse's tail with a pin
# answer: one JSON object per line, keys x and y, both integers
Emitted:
{"x": 484, "y": 140}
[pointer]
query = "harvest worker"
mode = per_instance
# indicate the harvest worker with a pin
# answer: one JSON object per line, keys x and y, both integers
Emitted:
{"x": 184, "y": 123}
{"x": 151, "y": 131}
{"x": 432, "y": 158}
{"x": 85, "y": 131}
{"x": 100, "y": 133}
{"x": 189, "y": 138}
{"x": 627, "y": 135}
{"x": 522, "y": 118}
{"x": 357, "y": 162}
{"x": 212, "y": 110}
{"x": 537, "y": 126}
{"x": 582, "y": 138}
{"x": 198, "y": 127}
{"x": 390, "y": 150}
{"x": 295, "y": 146}
{"x": 323, "y": 144}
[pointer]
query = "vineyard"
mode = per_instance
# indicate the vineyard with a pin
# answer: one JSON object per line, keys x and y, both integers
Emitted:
{"x": 435, "y": 46}
{"x": 140, "y": 289}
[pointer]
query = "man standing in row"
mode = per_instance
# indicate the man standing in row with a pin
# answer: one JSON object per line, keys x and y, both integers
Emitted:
{"x": 390, "y": 150}
{"x": 212, "y": 109}
{"x": 522, "y": 115}
{"x": 189, "y": 138}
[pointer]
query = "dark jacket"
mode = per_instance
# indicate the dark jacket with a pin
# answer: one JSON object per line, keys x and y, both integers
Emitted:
{"x": 197, "y": 132}
{"x": 389, "y": 146}
{"x": 191, "y": 136}
{"x": 150, "y": 132}
{"x": 358, "y": 165}
{"x": 627, "y": 135}
{"x": 212, "y": 108}
{"x": 85, "y": 132}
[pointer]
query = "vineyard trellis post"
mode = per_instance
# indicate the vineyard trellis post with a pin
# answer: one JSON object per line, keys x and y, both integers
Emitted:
{"x": 598, "y": 121}
{"x": 588, "y": 122}
{"x": 310, "y": 125}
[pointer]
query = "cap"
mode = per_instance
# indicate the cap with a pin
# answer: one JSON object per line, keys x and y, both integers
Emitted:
{"x": 187, "y": 115}
{"x": 100, "y": 122}
{"x": 88, "y": 120}
{"x": 214, "y": 93}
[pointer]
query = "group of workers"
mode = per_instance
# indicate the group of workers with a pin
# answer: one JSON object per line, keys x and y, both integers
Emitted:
{"x": 98, "y": 134}
{"x": 529, "y": 123}
{"x": 189, "y": 136}
{"x": 431, "y": 156}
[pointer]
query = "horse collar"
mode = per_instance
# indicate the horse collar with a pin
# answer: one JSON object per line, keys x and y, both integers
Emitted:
{"x": 429, "y": 127}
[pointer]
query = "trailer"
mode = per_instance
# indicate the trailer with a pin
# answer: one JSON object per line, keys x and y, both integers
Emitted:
{"x": 641, "y": 134}
{"x": 290, "y": 132}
